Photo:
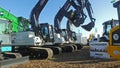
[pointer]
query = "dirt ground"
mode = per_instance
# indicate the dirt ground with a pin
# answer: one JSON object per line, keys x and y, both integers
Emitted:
{"x": 77, "y": 59}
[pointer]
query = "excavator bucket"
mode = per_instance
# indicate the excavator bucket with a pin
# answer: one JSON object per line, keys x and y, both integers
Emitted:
{"x": 78, "y": 22}
{"x": 76, "y": 18}
{"x": 89, "y": 26}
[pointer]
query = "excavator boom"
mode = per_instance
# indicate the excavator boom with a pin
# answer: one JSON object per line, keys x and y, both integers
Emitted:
{"x": 35, "y": 14}
{"x": 59, "y": 16}
{"x": 90, "y": 25}
{"x": 76, "y": 17}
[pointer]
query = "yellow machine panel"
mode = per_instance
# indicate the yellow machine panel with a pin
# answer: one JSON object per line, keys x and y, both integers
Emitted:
{"x": 114, "y": 44}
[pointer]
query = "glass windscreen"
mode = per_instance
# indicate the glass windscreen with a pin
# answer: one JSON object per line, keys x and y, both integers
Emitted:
{"x": 63, "y": 33}
{"x": 4, "y": 26}
{"x": 44, "y": 31}
{"x": 116, "y": 23}
{"x": 108, "y": 28}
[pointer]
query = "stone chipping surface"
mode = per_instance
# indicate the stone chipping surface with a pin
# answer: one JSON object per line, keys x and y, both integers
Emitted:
{"x": 77, "y": 59}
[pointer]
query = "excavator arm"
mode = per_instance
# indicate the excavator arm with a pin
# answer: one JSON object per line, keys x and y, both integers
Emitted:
{"x": 35, "y": 15}
{"x": 71, "y": 15}
{"x": 78, "y": 16}
{"x": 90, "y": 25}
{"x": 59, "y": 16}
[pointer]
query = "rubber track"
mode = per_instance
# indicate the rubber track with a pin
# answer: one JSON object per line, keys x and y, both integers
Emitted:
{"x": 41, "y": 53}
{"x": 56, "y": 50}
{"x": 67, "y": 48}
{"x": 75, "y": 47}
{"x": 79, "y": 46}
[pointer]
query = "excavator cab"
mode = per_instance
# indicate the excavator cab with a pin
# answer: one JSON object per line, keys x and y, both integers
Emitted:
{"x": 5, "y": 30}
{"x": 74, "y": 36}
{"x": 5, "y": 26}
{"x": 114, "y": 44}
{"x": 107, "y": 26}
{"x": 69, "y": 36}
{"x": 64, "y": 34}
{"x": 47, "y": 32}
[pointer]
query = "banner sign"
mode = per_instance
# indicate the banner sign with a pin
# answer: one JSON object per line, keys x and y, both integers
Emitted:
{"x": 99, "y": 50}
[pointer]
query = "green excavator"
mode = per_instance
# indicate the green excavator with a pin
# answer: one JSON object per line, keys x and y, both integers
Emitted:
{"x": 10, "y": 23}
{"x": 18, "y": 23}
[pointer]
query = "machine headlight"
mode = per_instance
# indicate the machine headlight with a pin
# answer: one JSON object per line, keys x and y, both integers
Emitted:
{"x": 115, "y": 37}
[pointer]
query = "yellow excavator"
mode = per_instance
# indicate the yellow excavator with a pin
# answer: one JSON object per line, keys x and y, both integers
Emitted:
{"x": 111, "y": 36}
{"x": 114, "y": 42}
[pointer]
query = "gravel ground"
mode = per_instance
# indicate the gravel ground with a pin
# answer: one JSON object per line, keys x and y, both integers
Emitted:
{"x": 78, "y": 59}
